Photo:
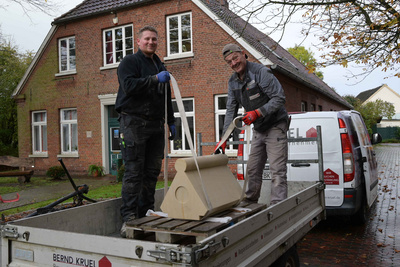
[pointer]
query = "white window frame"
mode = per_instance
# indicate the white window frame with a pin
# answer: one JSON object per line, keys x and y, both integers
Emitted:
{"x": 70, "y": 69}
{"x": 189, "y": 114}
{"x": 219, "y": 112}
{"x": 180, "y": 53}
{"x": 124, "y": 49}
{"x": 69, "y": 123}
{"x": 42, "y": 132}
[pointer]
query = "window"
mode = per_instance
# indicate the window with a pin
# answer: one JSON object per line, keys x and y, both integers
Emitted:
{"x": 66, "y": 54}
{"x": 117, "y": 43}
{"x": 319, "y": 107}
{"x": 312, "y": 107}
{"x": 69, "y": 131}
{"x": 220, "y": 110}
{"x": 178, "y": 145}
{"x": 179, "y": 39}
{"x": 303, "y": 106}
{"x": 39, "y": 132}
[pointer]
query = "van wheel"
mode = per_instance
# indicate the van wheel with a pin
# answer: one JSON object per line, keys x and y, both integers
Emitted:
{"x": 361, "y": 216}
{"x": 289, "y": 259}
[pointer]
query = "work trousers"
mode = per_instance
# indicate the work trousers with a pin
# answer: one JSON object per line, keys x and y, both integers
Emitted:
{"x": 142, "y": 146}
{"x": 271, "y": 145}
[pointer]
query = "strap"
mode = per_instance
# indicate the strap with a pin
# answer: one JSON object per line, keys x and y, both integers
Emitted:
{"x": 229, "y": 130}
{"x": 182, "y": 113}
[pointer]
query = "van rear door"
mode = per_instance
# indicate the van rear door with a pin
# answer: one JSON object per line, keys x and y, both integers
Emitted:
{"x": 305, "y": 125}
{"x": 369, "y": 160}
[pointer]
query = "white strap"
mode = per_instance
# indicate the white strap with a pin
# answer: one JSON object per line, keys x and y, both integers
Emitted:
{"x": 166, "y": 135}
{"x": 182, "y": 113}
{"x": 229, "y": 130}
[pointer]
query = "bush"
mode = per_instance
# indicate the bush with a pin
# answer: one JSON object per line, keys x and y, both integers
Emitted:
{"x": 56, "y": 172}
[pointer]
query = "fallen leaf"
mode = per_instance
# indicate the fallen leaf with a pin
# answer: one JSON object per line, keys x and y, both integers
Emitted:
{"x": 390, "y": 236}
{"x": 380, "y": 230}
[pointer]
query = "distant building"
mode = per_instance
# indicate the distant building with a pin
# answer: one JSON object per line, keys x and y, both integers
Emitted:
{"x": 384, "y": 93}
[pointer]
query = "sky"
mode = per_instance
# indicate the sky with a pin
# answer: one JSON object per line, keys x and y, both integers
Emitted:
{"x": 29, "y": 33}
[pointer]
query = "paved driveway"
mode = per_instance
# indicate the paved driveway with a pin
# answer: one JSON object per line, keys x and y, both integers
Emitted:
{"x": 336, "y": 242}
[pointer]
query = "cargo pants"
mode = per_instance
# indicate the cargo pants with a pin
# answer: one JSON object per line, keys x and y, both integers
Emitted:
{"x": 271, "y": 145}
{"x": 142, "y": 147}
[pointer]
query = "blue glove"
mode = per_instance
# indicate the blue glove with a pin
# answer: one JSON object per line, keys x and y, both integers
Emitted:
{"x": 172, "y": 130}
{"x": 163, "y": 77}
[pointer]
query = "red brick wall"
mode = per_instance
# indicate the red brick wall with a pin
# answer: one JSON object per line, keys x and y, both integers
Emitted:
{"x": 202, "y": 77}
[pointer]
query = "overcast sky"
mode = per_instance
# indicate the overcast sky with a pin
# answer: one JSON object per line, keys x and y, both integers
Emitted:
{"x": 28, "y": 34}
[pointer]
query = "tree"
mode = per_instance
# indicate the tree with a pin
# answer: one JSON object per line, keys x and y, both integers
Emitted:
{"x": 372, "y": 112}
{"x": 27, "y": 6}
{"x": 306, "y": 57}
{"x": 12, "y": 68}
{"x": 366, "y": 32}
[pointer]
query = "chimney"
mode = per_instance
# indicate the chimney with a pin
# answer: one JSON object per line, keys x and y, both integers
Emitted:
{"x": 224, "y": 3}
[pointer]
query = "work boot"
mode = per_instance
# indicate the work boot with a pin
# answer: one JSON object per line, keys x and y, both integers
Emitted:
{"x": 123, "y": 228}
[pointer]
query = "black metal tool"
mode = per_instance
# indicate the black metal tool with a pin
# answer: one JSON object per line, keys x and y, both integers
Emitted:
{"x": 78, "y": 193}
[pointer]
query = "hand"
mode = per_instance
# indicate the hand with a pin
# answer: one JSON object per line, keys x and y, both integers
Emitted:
{"x": 163, "y": 77}
{"x": 172, "y": 130}
{"x": 251, "y": 116}
{"x": 217, "y": 150}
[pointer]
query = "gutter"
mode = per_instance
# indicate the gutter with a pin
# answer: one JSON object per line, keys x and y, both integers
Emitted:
{"x": 35, "y": 60}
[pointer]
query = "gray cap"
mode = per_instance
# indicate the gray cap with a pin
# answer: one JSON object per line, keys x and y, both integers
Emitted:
{"x": 230, "y": 48}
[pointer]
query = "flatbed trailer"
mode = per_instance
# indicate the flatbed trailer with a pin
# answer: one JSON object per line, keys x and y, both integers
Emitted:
{"x": 247, "y": 235}
{"x": 89, "y": 236}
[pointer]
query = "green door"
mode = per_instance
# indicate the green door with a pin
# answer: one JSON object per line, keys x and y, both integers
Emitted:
{"x": 113, "y": 139}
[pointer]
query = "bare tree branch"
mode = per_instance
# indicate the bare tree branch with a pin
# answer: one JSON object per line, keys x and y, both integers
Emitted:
{"x": 365, "y": 32}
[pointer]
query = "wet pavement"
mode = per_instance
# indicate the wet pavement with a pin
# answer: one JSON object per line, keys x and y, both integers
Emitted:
{"x": 337, "y": 242}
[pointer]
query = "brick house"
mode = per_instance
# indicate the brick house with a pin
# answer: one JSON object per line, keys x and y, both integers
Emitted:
{"x": 66, "y": 98}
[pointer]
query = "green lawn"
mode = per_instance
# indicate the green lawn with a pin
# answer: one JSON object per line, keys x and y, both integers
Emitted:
{"x": 100, "y": 193}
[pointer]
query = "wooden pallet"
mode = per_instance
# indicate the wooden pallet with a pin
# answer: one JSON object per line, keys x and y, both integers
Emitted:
{"x": 169, "y": 230}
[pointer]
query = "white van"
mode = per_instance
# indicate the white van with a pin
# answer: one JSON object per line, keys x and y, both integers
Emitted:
{"x": 350, "y": 167}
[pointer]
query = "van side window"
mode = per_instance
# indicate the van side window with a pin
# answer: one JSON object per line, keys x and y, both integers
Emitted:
{"x": 353, "y": 133}
{"x": 359, "y": 124}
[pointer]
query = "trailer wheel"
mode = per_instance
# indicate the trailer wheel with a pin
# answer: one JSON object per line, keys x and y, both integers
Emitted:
{"x": 289, "y": 259}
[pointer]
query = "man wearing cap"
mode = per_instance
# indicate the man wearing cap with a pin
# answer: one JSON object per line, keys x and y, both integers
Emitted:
{"x": 255, "y": 88}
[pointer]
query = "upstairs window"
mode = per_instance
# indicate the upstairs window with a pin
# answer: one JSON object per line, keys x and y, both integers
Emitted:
{"x": 179, "y": 38}
{"x": 69, "y": 131}
{"x": 39, "y": 132}
{"x": 117, "y": 43}
{"x": 66, "y": 54}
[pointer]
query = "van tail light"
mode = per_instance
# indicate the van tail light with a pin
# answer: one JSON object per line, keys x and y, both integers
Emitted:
{"x": 240, "y": 166}
{"x": 347, "y": 149}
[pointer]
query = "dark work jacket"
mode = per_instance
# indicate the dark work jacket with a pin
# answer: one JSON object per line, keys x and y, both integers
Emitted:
{"x": 260, "y": 89}
{"x": 139, "y": 93}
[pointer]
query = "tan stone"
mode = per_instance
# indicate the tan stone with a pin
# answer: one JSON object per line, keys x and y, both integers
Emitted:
{"x": 187, "y": 196}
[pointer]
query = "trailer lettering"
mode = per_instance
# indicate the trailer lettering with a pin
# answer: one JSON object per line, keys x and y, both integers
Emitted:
{"x": 63, "y": 258}
{"x": 70, "y": 260}
{"x": 85, "y": 262}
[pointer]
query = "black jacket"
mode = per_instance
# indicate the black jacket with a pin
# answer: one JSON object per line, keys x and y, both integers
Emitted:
{"x": 139, "y": 92}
